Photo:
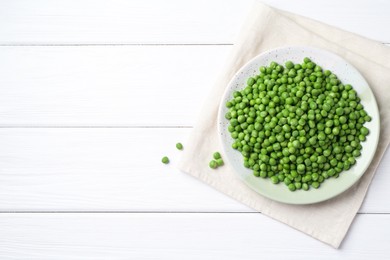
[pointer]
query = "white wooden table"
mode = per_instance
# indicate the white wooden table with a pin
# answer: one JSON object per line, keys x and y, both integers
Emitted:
{"x": 93, "y": 93}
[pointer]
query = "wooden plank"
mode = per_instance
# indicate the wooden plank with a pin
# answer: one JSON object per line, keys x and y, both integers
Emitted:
{"x": 120, "y": 21}
{"x": 180, "y": 236}
{"x": 101, "y": 85}
{"x": 99, "y": 169}
{"x": 106, "y": 86}
{"x": 105, "y": 169}
{"x": 171, "y": 21}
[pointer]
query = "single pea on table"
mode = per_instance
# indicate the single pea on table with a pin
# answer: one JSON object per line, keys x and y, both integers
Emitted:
{"x": 297, "y": 124}
{"x": 165, "y": 160}
{"x": 179, "y": 146}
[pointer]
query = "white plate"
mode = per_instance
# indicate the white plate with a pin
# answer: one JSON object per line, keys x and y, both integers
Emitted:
{"x": 348, "y": 75}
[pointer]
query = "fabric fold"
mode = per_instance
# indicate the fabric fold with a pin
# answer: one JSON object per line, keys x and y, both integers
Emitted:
{"x": 268, "y": 28}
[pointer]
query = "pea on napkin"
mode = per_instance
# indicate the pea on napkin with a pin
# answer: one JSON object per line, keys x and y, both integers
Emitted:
{"x": 269, "y": 28}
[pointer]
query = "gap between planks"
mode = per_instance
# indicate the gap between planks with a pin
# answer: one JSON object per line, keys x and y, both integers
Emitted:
{"x": 150, "y": 212}
{"x": 115, "y": 44}
{"x": 108, "y": 44}
{"x": 97, "y": 126}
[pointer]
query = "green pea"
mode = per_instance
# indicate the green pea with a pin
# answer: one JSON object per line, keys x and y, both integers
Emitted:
{"x": 291, "y": 187}
{"x": 339, "y": 111}
{"x": 263, "y": 174}
{"x": 287, "y": 180}
{"x": 297, "y": 124}
{"x": 165, "y": 160}
{"x": 367, "y": 118}
{"x": 314, "y": 176}
{"x": 275, "y": 179}
{"x": 351, "y": 160}
{"x": 315, "y": 184}
{"x": 251, "y": 81}
{"x": 220, "y": 162}
{"x": 301, "y": 168}
{"x": 179, "y": 146}
{"x": 217, "y": 155}
{"x": 296, "y": 144}
{"x": 241, "y": 119}
{"x": 213, "y": 164}
{"x": 364, "y": 131}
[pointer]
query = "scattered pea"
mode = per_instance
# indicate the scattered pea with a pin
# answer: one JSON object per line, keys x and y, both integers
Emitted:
{"x": 217, "y": 155}
{"x": 213, "y": 164}
{"x": 179, "y": 146}
{"x": 219, "y": 162}
{"x": 165, "y": 160}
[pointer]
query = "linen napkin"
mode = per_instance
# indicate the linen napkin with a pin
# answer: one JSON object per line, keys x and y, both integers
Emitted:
{"x": 267, "y": 28}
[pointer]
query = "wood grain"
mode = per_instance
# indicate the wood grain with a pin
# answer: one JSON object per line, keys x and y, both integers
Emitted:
{"x": 106, "y": 85}
{"x": 120, "y": 21}
{"x": 103, "y": 169}
{"x": 175, "y": 22}
{"x": 94, "y": 93}
{"x": 180, "y": 236}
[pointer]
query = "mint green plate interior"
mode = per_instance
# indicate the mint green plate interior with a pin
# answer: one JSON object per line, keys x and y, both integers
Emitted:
{"x": 348, "y": 75}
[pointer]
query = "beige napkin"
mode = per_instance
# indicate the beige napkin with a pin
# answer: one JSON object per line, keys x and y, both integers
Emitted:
{"x": 267, "y": 28}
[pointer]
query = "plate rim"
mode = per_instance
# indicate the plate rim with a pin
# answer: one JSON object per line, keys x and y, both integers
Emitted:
{"x": 300, "y": 47}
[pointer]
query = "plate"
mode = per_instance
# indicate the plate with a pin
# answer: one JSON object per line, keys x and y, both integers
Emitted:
{"x": 348, "y": 75}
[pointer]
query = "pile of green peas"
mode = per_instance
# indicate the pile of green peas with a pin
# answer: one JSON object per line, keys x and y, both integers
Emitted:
{"x": 297, "y": 124}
